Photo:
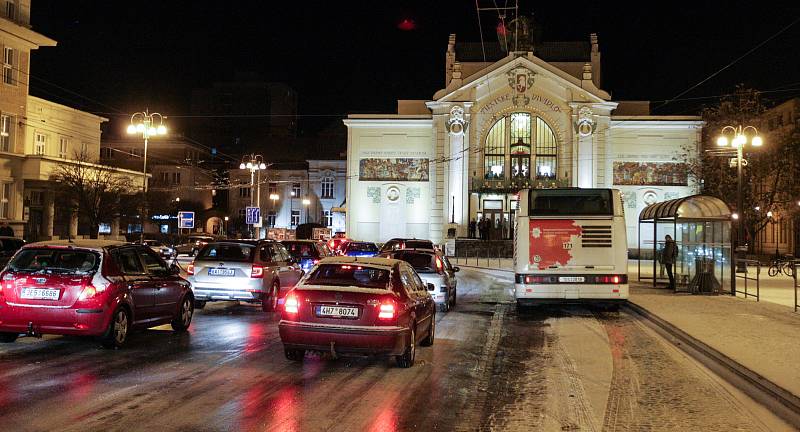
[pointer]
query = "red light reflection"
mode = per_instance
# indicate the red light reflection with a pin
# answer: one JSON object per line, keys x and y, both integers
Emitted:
{"x": 407, "y": 24}
{"x": 386, "y": 418}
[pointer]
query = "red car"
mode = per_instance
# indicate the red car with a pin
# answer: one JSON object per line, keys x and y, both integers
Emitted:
{"x": 350, "y": 305}
{"x": 90, "y": 288}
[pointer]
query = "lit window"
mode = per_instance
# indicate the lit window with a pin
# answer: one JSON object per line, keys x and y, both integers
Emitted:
{"x": 39, "y": 144}
{"x": 328, "y": 218}
{"x": 295, "y": 218}
{"x": 6, "y": 132}
{"x": 531, "y": 144}
{"x": 296, "y": 190}
{"x": 271, "y": 216}
{"x": 63, "y": 145}
{"x": 9, "y": 75}
{"x": 327, "y": 187}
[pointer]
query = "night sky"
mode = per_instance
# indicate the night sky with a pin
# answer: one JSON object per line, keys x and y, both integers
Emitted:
{"x": 351, "y": 56}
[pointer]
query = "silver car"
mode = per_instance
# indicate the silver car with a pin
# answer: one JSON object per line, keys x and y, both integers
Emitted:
{"x": 164, "y": 251}
{"x": 253, "y": 271}
{"x": 433, "y": 268}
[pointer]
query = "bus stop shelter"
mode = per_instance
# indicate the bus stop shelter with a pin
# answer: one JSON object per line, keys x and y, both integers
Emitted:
{"x": 701, "y": 228}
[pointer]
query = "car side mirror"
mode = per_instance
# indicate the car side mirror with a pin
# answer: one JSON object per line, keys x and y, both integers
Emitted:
{"x": 456, "y": 269}
{"x": 431, "y": 287}
{"x": 174, "y": 269}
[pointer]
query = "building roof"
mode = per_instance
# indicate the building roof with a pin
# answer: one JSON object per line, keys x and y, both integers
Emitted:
{"x": 554, "y": 51}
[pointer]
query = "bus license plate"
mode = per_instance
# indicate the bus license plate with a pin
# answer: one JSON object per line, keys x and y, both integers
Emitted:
{"x": 337, "y": 311}
{"x": 571, "y": 279}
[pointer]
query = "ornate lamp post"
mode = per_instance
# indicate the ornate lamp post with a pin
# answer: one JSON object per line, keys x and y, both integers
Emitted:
{"x": 254, "y": 163}
{"x": 148, "y": 125}
{"x": 742, "y": 135}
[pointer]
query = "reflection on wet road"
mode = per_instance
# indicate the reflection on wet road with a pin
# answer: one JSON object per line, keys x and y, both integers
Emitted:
{"x": 490, "y": 369}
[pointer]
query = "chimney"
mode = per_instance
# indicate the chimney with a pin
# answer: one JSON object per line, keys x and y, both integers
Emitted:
{"x": 449, "y": 59}
{"x": 595, "y": 58}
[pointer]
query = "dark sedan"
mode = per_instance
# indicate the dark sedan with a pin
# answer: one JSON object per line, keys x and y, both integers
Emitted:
{"x": 350, "y": 305}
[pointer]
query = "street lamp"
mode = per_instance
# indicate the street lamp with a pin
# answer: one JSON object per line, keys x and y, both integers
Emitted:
{"x": 148, "y": 125}
{"x": 225, "y": 227}
{"x": 741, "y": 135}
{"x": 254, "y": 163}
{"x": 306, "y": 203}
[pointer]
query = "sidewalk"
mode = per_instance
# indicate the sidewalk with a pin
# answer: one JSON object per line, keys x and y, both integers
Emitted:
{"x": 763, "y": 337}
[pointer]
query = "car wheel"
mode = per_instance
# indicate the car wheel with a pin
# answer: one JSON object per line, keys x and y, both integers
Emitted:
{"x": 455, "y": 295}
{"x": 8, "y": 337}
{"x": 521, "y": 309}
{"x": 184, "y": 318}
{"x": 428, "y": 341}
{"x": 199, "y": 304}
{"x": 270, "y": 303}
{"x": 295, "y": 355}
{"x": 406, "y": 360}
{"x": 117, "y": 333}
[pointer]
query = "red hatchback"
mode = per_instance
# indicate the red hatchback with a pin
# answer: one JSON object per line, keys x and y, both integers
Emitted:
{"x": 90, "y": 288}
{"x": 349, "y": 305}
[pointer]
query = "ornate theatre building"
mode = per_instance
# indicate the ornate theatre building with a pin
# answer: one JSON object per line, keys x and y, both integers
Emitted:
{"x": 507, "y": 120}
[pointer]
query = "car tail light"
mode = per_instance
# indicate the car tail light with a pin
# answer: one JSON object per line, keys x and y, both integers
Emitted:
{"x": 190, "y": 269}
{"x": 386, "y": 311}
{"x": 257, "y": 271}
{"x": 88, "y": 292}
{"x": 439, "y": 265}
{"x": 291, "y": 305}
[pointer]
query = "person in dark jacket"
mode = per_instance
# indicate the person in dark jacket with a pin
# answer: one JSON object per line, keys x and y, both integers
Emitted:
{"x": 472, "y": 227}
{"x": 6, "y": 230}
{"x": 668, "y": 256}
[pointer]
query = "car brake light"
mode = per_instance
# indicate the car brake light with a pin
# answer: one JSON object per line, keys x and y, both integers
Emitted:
{"x": 190, "y": 269}
{"x": 439, "y": 265}
{"x": 315, "y": 262}
{"x": 257, "y": 271}
{"x": 88, "y": 292}
{"x": 386, "y": 311}
{"x": 291, "y": 305}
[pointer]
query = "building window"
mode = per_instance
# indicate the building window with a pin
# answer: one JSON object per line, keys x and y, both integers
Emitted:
{"x": 530, "y": 142}
{"x": 11, "y": 10}
{"x": 63, "y": 145}
{"x": 39, "y": 144}
{"x": 176, "y": 178}
{"x": 296, "y": 189}
{"x": 105, "y": 153}
{"x": 295, "y": 218}
{"x": 244, "y": 192}
{"x": 271, "y": 216}
{"x": 6, "y": 132}
{"x": 9, "y": 75}
{"x": 327, "y": 187}
{"x": 273, "y": 189}
{"x": 328, "y": 218}
{"x": 5, "y": 201}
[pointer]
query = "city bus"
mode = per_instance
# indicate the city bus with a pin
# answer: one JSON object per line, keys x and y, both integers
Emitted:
{"x": 570, "y": 246}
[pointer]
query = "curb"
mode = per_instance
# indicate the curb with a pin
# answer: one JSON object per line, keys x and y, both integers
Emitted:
{"x": 780, "y": 401}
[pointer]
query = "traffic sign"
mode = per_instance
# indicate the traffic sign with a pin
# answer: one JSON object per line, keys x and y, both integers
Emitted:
{"x": 186, "y": 219}
{"x": 252, "y": 215}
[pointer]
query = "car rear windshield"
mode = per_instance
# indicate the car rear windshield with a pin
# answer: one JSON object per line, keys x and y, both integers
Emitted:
{"x": 235, "y": 252}
{"x": 422, "y": 262}
{"x": 418, "y": 244}
{"x": 572, "y": 202}
{"x": 362, "y": 247}
{"x": 302, "y": 249}
{"x": 55, "y": 260}
{"x": 349, "y": 275}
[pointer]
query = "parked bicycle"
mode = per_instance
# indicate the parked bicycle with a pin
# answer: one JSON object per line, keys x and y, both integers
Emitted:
{"x": 784, "y": 264}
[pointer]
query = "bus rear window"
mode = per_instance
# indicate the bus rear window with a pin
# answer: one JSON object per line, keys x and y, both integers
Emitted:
{"x": 571, "y": 202}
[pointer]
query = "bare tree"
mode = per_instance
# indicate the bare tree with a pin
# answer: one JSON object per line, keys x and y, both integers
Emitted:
{"x": 95, "y": 192}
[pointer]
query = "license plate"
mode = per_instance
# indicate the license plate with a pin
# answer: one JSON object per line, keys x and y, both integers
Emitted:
{"x": 221, "y": 272}
{"x": 337, "y": 311}
{"x": 571, "y": 279}
{"x": 39, "y": 294}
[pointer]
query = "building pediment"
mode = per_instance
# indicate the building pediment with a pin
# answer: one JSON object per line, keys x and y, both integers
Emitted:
{"x": 504, "y": 71}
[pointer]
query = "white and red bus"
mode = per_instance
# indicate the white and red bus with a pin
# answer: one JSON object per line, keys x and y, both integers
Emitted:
{"x": 570, "y": 246}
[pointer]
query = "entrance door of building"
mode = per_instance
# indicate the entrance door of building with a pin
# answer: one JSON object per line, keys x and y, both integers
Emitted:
{"x": 33, "y": 228}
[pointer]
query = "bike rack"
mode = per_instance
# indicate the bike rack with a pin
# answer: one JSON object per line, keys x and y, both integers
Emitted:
{"x": 744, "y": 276}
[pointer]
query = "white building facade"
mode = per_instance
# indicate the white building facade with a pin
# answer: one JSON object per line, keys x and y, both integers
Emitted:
{"x": 500, "y": 126}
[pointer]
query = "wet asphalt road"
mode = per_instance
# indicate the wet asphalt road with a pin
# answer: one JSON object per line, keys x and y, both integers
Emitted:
{"x": 490, "y": 368}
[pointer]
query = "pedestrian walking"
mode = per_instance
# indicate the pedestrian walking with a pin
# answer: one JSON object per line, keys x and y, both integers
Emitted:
{"x": 668, "y": 257}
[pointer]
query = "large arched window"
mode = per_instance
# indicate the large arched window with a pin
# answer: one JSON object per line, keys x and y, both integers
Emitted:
{"x": 528, "y": 141}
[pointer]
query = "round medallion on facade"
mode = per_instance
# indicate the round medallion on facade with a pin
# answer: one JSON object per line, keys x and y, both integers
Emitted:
{"x": 393, "y": 193}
